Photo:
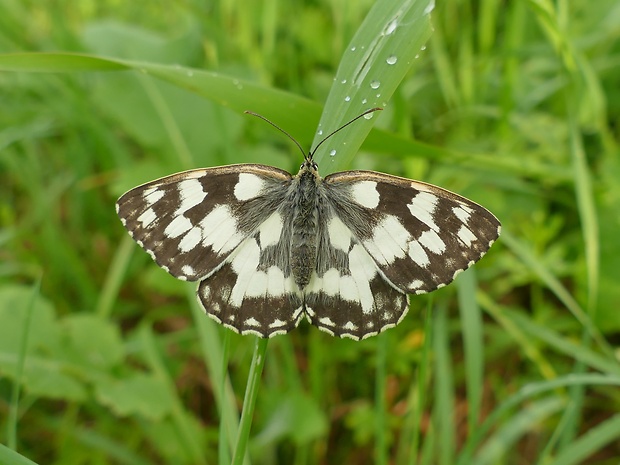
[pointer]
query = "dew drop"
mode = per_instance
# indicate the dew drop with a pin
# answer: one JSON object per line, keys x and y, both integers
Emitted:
{"x": 332, "y": 152}
{"x": 417, "y": 56}
{"x": 430, "y": 7}
{"x": 423, "y": 47}
{"x": 364, "y": 101}
{"x": 347, "y": 99}
{"x": 368, "y": 115}
{"x": 353, "y": 48}
{"x": 375, "y": 84}
{"x": 344, "y": 81}
{"x": 392, "y": 59}
{"x": 391, "y": 27}
{"x": 320, "y": 132}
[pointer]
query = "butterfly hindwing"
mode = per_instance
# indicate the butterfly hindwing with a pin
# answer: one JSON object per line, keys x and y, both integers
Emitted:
{"x": 254, "y": 291}
{"x": 419, "y": 235}
{"x": 350, "y": 297}
{"x": 190, "y": 222}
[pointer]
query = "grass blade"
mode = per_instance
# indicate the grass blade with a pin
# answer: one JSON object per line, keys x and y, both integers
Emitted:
{"x": 471, "y": 323}
{"x": 373, "y": 65}
{"x": 21, "y": 360}
{"x": 249, "y": 400}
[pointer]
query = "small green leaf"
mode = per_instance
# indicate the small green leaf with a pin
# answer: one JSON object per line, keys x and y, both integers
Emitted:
{"x": 93, "y": 341}
{"x": 139, "y": 394}
{"x": 296, "y": 416}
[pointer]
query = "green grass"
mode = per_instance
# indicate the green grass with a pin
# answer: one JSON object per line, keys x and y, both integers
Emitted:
{"x": 104, "y": 358}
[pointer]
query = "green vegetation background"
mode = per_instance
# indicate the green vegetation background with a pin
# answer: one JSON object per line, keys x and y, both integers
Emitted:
{"x": 104, "y": 358}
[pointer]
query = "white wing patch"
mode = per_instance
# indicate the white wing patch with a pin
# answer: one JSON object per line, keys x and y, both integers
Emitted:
{"x": 418, "y": 255}
{"x": 147, "y": 217}
{"x": 432, "y": 241}
{"x": 462, "y": 213}
{"x": 248, "y": 187}
{"x": 191, "y": 193}
{"x": 271, "y": 229}
{"x": 339, "y": 234}
{"x": 219, "y": 230}
{"x": 191, "y": 239}
{"x": 423, "y": 206}
{"x": 365, "y": 194}
{"x": 251, "y": 282}
{"x": 352, "y": 287}
{"x": 390, "y": 241}
{"x": 178, "y": 226}
{"x": 466, "y": 235}
{"x": 153, "y": 195}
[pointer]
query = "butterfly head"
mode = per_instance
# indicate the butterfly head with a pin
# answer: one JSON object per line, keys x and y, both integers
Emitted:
{"x": 309, "y": 164}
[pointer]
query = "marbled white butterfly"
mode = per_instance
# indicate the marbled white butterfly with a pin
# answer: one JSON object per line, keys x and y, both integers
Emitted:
{"x": 269, "y": 248}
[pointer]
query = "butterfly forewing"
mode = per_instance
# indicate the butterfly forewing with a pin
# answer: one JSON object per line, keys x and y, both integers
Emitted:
{"x": 419, "y": 235}
{"x": 192, "y": 221}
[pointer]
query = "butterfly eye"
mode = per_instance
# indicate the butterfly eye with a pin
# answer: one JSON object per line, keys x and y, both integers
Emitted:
{"x": 315, "y": 166}
{"x": 301, "y": 166}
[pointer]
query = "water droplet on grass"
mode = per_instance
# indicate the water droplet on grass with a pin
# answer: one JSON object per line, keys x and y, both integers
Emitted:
{"x": 375, "y": 84}
{"x": 392, "y": 59}
{"x": 391, "y": 27}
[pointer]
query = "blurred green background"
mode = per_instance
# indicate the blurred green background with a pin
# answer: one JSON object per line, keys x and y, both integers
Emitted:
{"x": 514, "y": 104}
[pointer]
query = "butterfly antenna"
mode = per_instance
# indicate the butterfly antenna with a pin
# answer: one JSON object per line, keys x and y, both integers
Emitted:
{"x": 279, "y": 129}
{"x": 372, "y": 110}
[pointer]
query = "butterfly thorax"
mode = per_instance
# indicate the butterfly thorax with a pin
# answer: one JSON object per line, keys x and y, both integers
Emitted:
{"x": 304, "y": 240}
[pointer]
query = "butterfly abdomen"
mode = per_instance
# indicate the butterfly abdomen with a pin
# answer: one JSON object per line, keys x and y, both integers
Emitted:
{"x": 304, "y": 241}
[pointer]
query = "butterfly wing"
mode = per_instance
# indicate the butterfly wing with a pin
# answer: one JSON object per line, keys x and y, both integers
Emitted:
{"x": 348, "y": 296}
{"x": 420, "y": 236}
{"x": 227, "y": 227}
{"x": 190, "y": 222}
{"x": 254, "y": 292}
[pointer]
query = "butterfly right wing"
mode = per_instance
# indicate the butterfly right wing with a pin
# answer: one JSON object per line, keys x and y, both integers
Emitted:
{"x": 191, "y": 222}
{"x": 420, "y": 236}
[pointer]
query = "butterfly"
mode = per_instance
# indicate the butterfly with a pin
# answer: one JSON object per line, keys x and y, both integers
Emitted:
{"x": 269, "y": 249}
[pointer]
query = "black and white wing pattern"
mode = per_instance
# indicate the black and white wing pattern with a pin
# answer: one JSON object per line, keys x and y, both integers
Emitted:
{"x": 270, "y": 249}
{"x": 220, "y": 226}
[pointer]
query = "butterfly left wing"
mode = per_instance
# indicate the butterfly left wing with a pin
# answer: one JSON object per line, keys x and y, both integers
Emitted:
{"x": 227, "y": 227}
{"x": 190, "y": 222}
{"x": 420, "y": 236}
